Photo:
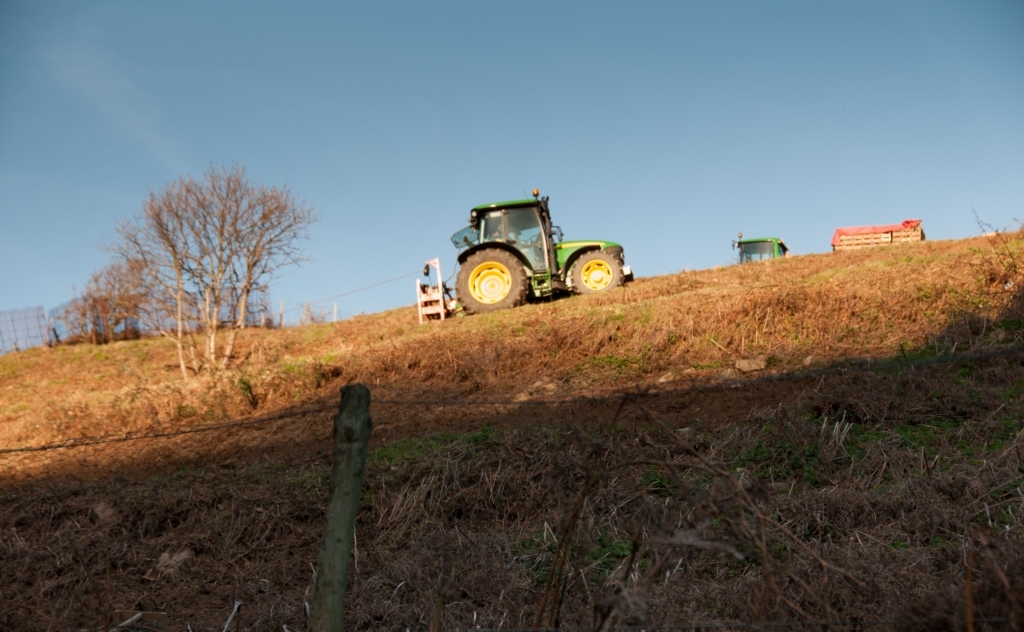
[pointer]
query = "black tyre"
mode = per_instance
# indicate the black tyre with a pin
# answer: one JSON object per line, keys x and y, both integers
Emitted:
{"x": 595, "y": 272}
{"x": 490, "y": 280}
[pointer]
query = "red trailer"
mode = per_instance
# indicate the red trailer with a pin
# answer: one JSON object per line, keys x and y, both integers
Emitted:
{"x": 854, "y": 237}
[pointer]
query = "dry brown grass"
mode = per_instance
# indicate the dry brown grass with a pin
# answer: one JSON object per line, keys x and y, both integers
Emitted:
{"x": 862, "y": 489}
{"x": 868, "y": 303}
{"x": 663, "y": 510}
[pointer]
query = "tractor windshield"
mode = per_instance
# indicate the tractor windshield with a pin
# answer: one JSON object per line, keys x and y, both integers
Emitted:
{"x": 756, "y": 251}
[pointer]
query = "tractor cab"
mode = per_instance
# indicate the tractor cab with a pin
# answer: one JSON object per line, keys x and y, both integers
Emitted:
{"x": 523, "y": 226}
{"x": 759, "y": 248}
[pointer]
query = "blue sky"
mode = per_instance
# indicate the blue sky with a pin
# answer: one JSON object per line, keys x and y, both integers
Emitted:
{"x": 666, "y": 126}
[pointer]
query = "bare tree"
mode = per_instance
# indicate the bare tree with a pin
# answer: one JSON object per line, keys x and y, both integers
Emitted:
{"x": 108, "y": 304}
{"x": 205, "y": 246}
{"x": 76, "y": 316}
{"x": 118, "y": 289}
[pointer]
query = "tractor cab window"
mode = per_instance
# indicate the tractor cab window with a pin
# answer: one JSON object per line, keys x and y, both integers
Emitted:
{"x": 492, "y": 227}
{"x": 468, "y": 236}
{"x": 756, "y": 251}
{"x": 524, "y": 232}
{"x": 523, "y": 227}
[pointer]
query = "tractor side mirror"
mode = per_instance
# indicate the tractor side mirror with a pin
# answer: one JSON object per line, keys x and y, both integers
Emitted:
{"x": 426, "y": 270}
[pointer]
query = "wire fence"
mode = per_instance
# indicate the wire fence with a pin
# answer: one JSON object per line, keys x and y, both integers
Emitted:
{"x": 35, "y": 326}
{"x": 22, "y": 328}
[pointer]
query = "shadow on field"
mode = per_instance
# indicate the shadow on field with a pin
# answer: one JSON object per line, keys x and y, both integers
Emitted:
{"x": 856, "y": 493}
{"x": 871, "y": 494}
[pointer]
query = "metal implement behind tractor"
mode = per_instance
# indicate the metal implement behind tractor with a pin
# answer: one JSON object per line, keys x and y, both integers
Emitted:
{"x": 432, "y": 301}
{"x": 511, "y": 253}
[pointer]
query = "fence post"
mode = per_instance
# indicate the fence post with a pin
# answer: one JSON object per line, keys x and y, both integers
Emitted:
{"x": 351, "y": 434}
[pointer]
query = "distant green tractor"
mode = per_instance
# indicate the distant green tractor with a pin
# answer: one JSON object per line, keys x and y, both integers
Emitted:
{"x": 760, "y": 248}
{"x": 513, "y": 254}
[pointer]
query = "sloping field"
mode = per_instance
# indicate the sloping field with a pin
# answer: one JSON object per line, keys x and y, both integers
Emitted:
{"x": 587, "y": 462}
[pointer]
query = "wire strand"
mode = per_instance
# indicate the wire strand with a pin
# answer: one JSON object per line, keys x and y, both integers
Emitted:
{"x": 365, "y": 287}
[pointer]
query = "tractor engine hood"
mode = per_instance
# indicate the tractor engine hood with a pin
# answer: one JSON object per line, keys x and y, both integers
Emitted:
{"x": 580, "y": 243}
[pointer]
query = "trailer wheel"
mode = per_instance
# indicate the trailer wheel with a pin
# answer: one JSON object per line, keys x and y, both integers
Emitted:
{"x": 596, "y": 272}
{"x": 490, "y": 280}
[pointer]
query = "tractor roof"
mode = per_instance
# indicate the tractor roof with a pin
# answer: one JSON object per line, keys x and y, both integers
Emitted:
{"x": 751, "y": 240}
{"x": 508, "y": 204}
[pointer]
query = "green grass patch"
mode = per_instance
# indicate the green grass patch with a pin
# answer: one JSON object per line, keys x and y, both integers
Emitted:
{"x": 415, "y": 448}
{"x": 657, "y": 482}
{"x": 311, "y": 480}
{"x": 1010, "y": 325}
{"x": 614, "y": 362}
{"x": 535, "y": 553}
{"x": 186, "y": 412}
{"x": 927, "y": 436}
{"x": 606, "y": 554}
{"x": 782, "y": 459}
{"x": 603, "y": 554}
{"x": 15, "y": 409}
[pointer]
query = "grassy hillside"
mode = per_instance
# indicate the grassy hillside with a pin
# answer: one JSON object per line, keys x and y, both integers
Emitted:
{"x": 582, "y": 460}
{"x": 691, "y": 324}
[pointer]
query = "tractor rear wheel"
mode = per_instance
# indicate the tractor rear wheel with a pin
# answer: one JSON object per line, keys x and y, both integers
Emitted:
{"x": 490, "y": 280}
{"x": 596, "y": 271}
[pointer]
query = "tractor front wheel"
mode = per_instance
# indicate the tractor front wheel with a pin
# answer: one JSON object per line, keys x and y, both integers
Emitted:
{"x": 490, "y": 280}
{"x": 595, "y": 272}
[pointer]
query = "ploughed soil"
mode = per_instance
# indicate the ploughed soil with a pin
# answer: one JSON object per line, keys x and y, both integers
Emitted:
{"x": 588, "y": 463}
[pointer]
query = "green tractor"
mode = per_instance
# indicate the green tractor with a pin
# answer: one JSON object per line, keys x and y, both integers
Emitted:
{"x": 760, "y": 248}
{"x": 511, "y": 253}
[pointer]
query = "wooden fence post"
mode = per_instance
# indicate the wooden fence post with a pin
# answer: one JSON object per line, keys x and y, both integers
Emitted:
{"x": 351, "y": 434}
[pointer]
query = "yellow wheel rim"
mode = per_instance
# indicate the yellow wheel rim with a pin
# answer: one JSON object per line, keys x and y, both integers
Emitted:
{"x": 490, "y": 282}
{"x": 596, "y": 275}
